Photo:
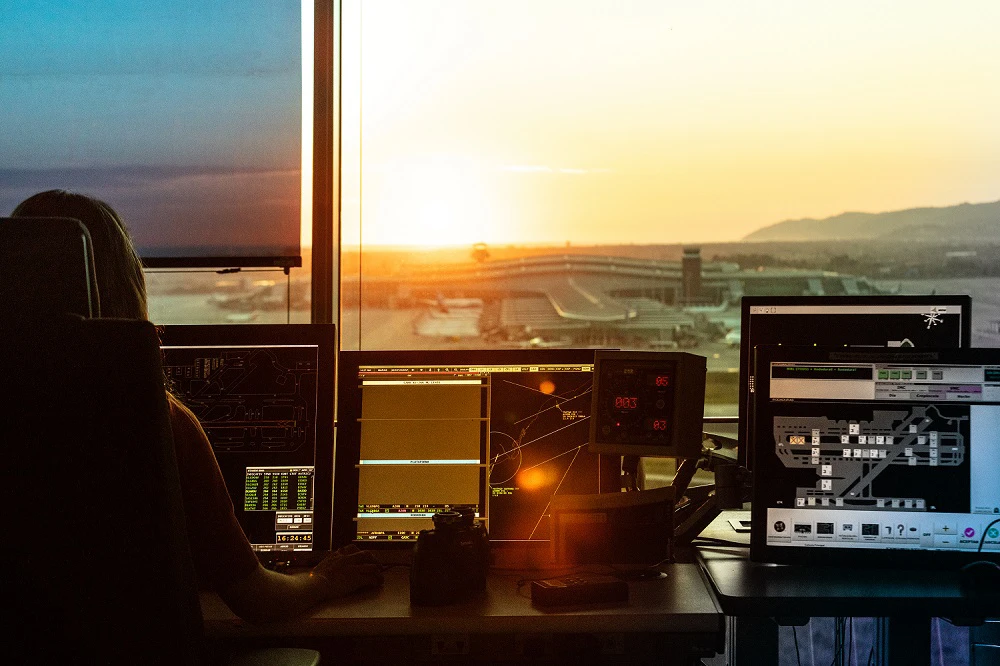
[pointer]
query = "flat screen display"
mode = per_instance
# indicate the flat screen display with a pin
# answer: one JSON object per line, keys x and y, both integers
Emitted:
{"x": 886, "y": 456}
{"x": 498, "y": 432}
{"x": 264, "y": 396}
{"x": 845, "y": 321}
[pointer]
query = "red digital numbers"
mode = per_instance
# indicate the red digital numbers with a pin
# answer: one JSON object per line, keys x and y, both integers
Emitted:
{"x": 663, "y": 380}
{"x": 659, "y": 424}
{"x": 626, "y": 402}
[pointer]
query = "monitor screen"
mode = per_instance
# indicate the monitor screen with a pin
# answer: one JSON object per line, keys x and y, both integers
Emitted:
{"x": 500, "y": 432}
{"x": 884, "y": 456}
{"x": 264, "y": 395}
{"x": 851, "y": 321}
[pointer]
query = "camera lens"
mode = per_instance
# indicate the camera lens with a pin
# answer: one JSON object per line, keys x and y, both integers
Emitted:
{"x": 443, "y": 518}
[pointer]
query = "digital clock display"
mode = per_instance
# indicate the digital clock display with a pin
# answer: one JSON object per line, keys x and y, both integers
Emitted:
{"x": 626, "y": 402}
{"x": 637, "y": 399}
{"x": 301, "y": 537}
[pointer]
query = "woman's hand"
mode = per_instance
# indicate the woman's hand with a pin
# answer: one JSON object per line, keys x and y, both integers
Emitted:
{"x": 347, "y": 570}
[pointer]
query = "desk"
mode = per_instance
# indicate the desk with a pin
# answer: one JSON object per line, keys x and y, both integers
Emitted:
{"x": 675, "y": 616}
{"x": 760, "y": 596}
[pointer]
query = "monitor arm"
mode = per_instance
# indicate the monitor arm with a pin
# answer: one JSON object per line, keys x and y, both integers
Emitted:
{"x": 700, "y": 505}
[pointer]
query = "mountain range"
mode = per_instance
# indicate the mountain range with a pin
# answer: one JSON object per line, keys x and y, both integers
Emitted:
{"x": 964, "y": 222}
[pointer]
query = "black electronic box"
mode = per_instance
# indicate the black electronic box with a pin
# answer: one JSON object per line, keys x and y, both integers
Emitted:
{"x": 648, "y": 403}
{"x": 578, "y": 589}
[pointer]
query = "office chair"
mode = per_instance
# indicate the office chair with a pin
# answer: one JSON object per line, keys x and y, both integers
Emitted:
{"x": 46, "y": 268}
{"x": 95, "y": 558}
{"x": 96, "y": 564}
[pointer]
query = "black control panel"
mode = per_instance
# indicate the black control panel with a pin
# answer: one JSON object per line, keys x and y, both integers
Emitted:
{"x": 648, "y": 403}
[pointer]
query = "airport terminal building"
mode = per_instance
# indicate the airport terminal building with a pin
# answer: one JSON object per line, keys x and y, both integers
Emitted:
{"x": 578, "y": 299}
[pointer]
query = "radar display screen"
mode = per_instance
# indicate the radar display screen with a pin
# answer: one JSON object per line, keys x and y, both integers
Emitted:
{"x": 497, "y": 432}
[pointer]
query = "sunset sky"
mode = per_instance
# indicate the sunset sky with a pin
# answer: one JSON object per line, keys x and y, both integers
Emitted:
{"x": 523, "y": 121}
{"x": 172, "y": 112}
{"x": 546, "y": 121}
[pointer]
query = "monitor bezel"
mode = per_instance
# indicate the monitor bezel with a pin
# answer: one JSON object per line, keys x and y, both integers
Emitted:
{"x": 760, "y": 551}
{"x": 324, "y": 337}
{"x": 348, "y": 433}
{"x": 744, "y": 455}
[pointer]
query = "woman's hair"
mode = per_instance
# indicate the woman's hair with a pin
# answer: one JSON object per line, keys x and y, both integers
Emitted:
{"x": 120, "y": 282}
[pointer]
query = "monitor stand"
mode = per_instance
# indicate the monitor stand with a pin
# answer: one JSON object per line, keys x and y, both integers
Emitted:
{"x": 741, "y": 526}
{"x": 705, "y": 503}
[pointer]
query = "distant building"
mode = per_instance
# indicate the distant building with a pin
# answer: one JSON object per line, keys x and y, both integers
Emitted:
{"x": 691, "y": 274}
{"x": 602, "y": 299}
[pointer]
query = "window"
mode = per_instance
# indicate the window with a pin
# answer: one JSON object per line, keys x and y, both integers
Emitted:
{"x": 250, "y": 296}
{"x": 173, "y": 113}
{"x": 584, "y": 173}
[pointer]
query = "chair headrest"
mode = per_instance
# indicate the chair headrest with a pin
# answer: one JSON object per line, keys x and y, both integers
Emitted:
{"x": 46, "y": 268}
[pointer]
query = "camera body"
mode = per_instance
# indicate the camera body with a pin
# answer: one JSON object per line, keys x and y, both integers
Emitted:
{"x": 449, "y": 561}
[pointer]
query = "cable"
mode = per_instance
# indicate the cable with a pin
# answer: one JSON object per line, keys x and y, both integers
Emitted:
{"x": 982, "y": 539}
{"x": 936, "y": 638}
{"x": 795, "y": 635}
{"x": 838, "y": 647}
{"x": 850, "y": 640}
{"x": 812, "y": 642}
{"x": 288, "y": 295}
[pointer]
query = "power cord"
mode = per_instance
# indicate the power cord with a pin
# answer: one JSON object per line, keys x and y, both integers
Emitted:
{"x": 850, "y": 640}
{"x": 838, "y": 647}
{"x": 844, "y": 628}
{"x": 982, "y": 539}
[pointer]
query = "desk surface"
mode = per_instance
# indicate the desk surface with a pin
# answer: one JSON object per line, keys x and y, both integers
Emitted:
{"x": 754, "y": 589}
{"x": 679, "y": 603}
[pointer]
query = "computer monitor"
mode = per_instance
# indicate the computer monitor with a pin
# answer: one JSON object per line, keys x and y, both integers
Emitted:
{"x": 264, "y": 395}
{"x": 498, "y": 431}
{"x": 876, "y": 457}
{"x": 851, "y": 321}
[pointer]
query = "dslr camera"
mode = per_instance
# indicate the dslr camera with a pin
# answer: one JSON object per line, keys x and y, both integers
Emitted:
{"x": 449, "y": 561}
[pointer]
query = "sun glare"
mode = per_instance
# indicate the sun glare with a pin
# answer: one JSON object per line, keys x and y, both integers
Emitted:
{"x": 465, "y": 123}
{"x": 535, "y": 478}
{"x": 431, "y": 200}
